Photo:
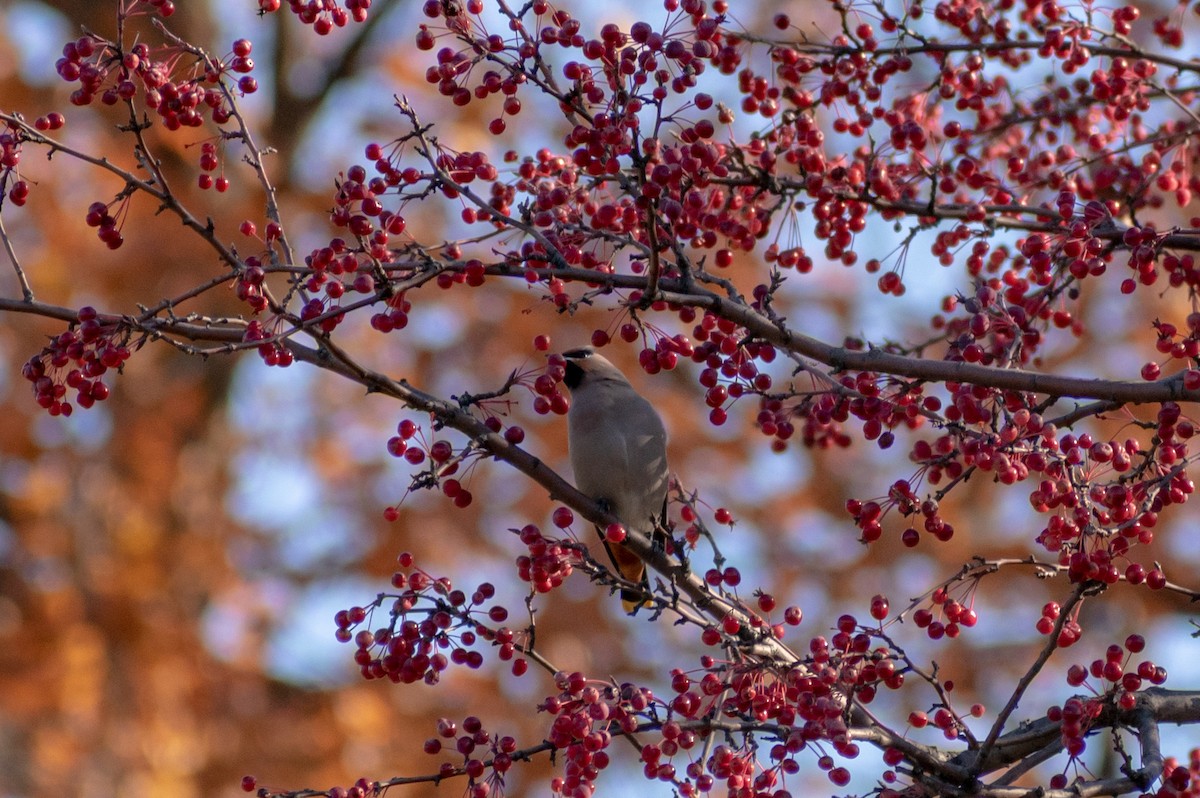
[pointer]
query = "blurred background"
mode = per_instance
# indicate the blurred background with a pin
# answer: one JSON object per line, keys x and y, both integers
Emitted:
{"x": 171, "y": 560}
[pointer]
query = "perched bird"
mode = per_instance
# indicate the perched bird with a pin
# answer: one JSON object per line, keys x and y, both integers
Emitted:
{"x": 618, "y": 450}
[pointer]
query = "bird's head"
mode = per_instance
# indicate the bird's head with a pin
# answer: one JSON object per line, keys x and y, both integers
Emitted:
{"x": 584, "y": 366}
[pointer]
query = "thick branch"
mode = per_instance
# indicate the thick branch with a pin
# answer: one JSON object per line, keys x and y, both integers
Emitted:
{"x": 1153, "y": 706}
{"x": 842, "y": 359}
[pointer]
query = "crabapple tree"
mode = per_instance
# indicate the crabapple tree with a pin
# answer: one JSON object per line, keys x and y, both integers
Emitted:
{"x": 1005, "y": 188}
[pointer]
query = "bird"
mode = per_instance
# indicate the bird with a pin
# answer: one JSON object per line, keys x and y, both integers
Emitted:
{"x": 618, "y": 450}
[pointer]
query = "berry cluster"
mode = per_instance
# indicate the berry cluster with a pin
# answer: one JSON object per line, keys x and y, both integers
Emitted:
{"x": 549, "y": 561}
{"x": 486, "y": 775}
{"x": 443, "y": 460}
{"x": 868, "y": 515}
{"x": 1114, "y": 669}
{"x": 182, "y": 88}
{"x": 548, "y": 396}
{"x": 676, "y": 176}
{"x": 390, "y": 320}
{"x": 271, "y": 349}
{"x": 1119, "y": 684}
{"x": 944, "y": 719}
{"x": 181, "y": 85}
{"x": 1076, "y": 716}
{"x": 12, "y": 136}
{"x": 209, "y": 162}
{"x": 1068, "y": 634}
{"x": 322, "y": 313}
{"x": 1179, "y": 780}
{"x": 1102, "y": 496}
{"x": 948, "y": 616}
{"x": 249, "y": 286}
{"x": 810, "y": 699}
{"x": 427, "y": 618}
{"x": 108, "y": 226}
{"x": 322, "y": 15}
{"x": 586, "y": 714}
{"x": 1178, "y": 345}
{"x": 618, "y": 74}
{"x": 731, "y": 369}
{"x": 76, "y": 360}
{"x": 357, "y": 202}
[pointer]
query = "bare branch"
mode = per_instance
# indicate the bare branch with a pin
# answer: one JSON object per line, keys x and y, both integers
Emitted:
{"x": 22, "y": 280}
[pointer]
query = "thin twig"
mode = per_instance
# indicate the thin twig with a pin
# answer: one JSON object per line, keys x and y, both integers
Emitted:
{"x": 26, "y": 290}
{"x": 1051, "y": 645}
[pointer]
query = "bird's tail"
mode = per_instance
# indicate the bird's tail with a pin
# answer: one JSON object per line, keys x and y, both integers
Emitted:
{"x": 632, "y": 569}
